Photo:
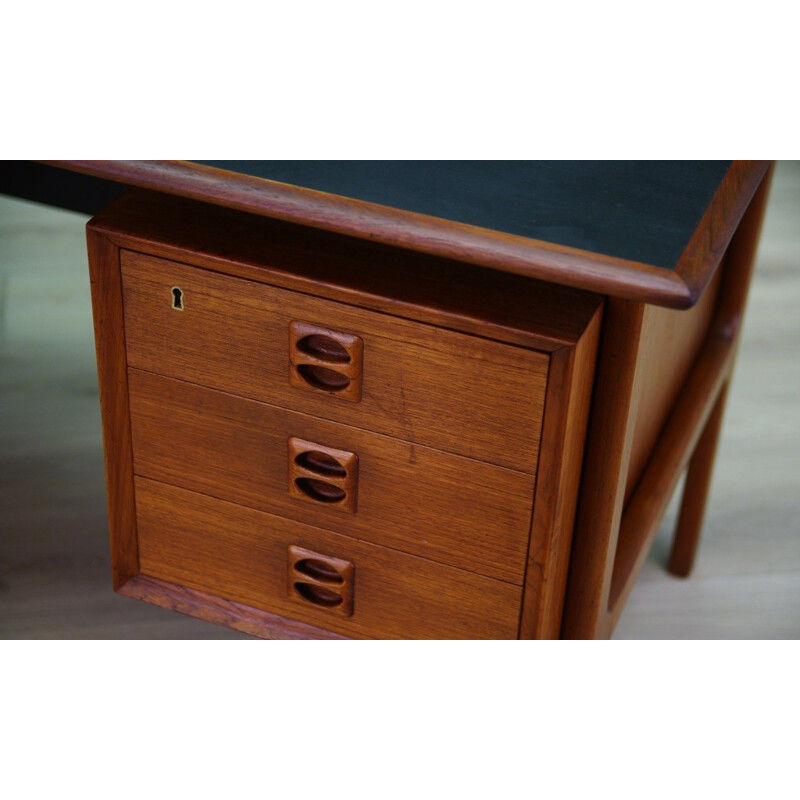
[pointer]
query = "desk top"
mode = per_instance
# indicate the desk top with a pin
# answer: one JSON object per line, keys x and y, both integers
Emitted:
{"x": 649, "y": 230}
{"x": 636, "y": 210}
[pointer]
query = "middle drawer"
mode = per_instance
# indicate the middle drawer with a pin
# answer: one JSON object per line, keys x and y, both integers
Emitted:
{"x": 433, "y": 504}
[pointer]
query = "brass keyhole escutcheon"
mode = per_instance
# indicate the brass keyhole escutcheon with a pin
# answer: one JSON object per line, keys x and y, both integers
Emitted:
{"x": 177, "y": 298}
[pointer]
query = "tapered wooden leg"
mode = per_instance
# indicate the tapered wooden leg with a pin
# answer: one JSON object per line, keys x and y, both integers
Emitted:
{"x": 695, "y": 493}
{"x": 739, "y": 261}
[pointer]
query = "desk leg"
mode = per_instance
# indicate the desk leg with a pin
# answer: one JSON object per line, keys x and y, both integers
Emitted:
{"x": 695, "y": 493}
{"x": 739, "y": 264}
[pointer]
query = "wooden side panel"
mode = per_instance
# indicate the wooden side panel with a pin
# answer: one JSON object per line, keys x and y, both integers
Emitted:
{"x": 458, "y": 393}
{"x": 109, "y": 331}
{"x": 436, "y": 505}
{"x": 639, "y": 523}
{"x": 671, "y": 342}
{"x": 569, "y": 394}
{"x": 240, "y": 555}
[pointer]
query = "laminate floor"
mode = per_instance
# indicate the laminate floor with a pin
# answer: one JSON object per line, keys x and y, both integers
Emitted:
{"x": 54, "y": 563}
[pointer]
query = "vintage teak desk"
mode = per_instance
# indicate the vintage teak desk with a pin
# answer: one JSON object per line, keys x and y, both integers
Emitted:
{"x": 412, "y": 400}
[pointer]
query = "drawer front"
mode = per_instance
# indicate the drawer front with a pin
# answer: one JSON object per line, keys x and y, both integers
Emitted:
{"x": 414, "y": 382}
{"x": 244, "y": 555}
{"x": 439, "y": 506}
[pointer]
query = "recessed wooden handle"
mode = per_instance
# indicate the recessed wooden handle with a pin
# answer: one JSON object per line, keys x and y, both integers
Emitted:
{"x": 319, "y": 580}
{"x": 324, "y": 347}
{"x": 321, "y": 463}
{"x": 324, "y": 360}
{"x": 319, "y": 569}
{"x": 323, "y": 475}
{"x": 323, "y": 378}
{"x": 318, "y": 595}
{"x": 321, "y": 491}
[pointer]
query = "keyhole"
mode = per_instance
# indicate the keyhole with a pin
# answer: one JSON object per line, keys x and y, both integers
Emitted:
{"x": 177, "y": 298}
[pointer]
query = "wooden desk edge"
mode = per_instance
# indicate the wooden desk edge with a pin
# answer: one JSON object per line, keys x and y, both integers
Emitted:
{"x": 679, "y": 288}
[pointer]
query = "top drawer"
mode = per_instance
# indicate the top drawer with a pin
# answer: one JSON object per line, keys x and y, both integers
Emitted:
{"x": 416, "y": 382}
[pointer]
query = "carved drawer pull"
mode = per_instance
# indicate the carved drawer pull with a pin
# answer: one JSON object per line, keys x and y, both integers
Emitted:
{"x": 323, "y": 475}
{"x": 324, "y": 347}
{"x": 318, "y": 595}
{"x": 325, "y": 361}
{"x": 319, "y": 569}
{"x": 320, "y": 580}
{"x": 321, "y": 491}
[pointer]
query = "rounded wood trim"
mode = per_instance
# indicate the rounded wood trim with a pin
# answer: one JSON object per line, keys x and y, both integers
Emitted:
{"x": 679, "y": 288}
{"x": 711, "y": 238}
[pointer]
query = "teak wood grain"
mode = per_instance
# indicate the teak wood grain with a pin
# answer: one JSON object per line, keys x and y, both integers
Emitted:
{"x": 567, "y": 266}
{"x": 436, "y": 505}
{"x": 672, "y": 341}
{"x": 649, "y": 501}
{"x": 240, "y": 554}
{"x": 234, "y": 336}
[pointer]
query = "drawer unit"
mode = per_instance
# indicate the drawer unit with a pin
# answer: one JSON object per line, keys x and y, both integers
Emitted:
{"x": 326, "y": 453}
{"x": 235, "y": 335}
{"x": 434, "y": 504}
{"x": 242, "y": 554}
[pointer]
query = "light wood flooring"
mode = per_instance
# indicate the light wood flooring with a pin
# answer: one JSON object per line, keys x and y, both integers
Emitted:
{"x": 54, "y": 564}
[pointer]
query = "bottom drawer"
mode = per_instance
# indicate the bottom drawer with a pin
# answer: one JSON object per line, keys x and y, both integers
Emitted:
{"x": 243, "y": 555}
